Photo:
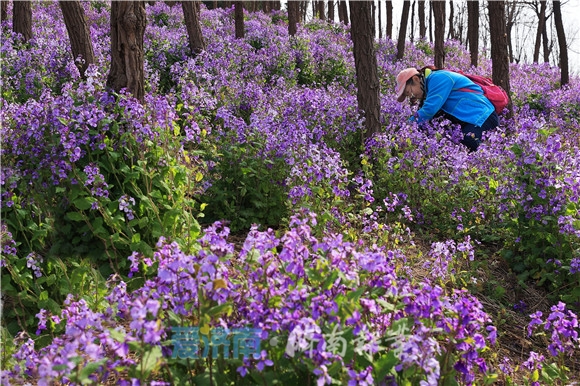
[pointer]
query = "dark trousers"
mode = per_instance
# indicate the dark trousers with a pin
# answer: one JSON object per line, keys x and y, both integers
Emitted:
{"x": 472, "y": 134}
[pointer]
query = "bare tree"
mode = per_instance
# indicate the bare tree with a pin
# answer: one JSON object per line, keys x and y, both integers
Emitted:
{"x": 564, "y": 72}
{"x": 191, "y": 16}
{"x": 389, "y": 7}
{"x": 78, "y": 34}
{"x": 303, "y": 8}
{"x": 422, "y": 26}
{"x": 380, "y": 20}
{"x": 128, "y": 22}
{"x": 331, "y": 11}
{"x": 403, "y": 29}
{"x": 512, "y": 12}
{"x": 365, "y": 59}
{"x": 499, "y": 46}
{"x": 541, "y": 13}
{"x": 439, "y": 17}
{"x": 320, "y": 9}
{"x": 4, "y": 10}
{"x": 342, "y": 11}
{"x": 451, "y": 33}
{"x": 239, "y": 19}
{"x": 412, "y": 33}
{"x": 22, "y": 19}
{"x": 473, "y": 30}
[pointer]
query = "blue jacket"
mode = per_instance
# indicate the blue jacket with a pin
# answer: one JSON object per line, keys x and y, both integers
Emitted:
{"x": 443, "y": 93}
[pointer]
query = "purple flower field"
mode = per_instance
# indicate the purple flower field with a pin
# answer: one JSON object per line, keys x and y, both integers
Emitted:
{"x": 233, "y": 229}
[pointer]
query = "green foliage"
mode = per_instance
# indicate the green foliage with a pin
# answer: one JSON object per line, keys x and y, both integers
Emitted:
{"x": 537, "y": 250}
{"x": 425, "y": 47}
{"x": 319, "y": 72}
{"x": 246, "y": 188}
{"x": 536, "y": 101}
{"x": 160, "y": 60}
{"x": 142, "y": 190}
{"x": 438, "y": 203}
{"x": 99, "y": 6}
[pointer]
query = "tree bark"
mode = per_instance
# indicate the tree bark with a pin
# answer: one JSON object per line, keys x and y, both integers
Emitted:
{"x": 22, "y": 19}
{"x": 380, "y": 20}
{"x": 78, "y": 34}
{"x": 412, "y": 34}
{"x": 191, "y": 16}
{"x": 128, "y": 22}
{"x": 421, "y": 13}
{"x": 499, "y": 47}
{"x": 541, "y": 28}
{"x": 564, "y": 71}
{"x": 4, "y": 10}
{"x": 367, "y": 79}
{"x": 473, "y": 30}
{"x": 389, "y": 7}
{"x": 451, "y": 34}
{"x": 320, "y": 9}
{"x": 403, "y": 30}
{"x": 439, "y": 16}
{"x": 239, "y": 19}
{"x": 292, "y": 17}
{"x": 511, "y": 18}
{"x": 342, "y": 12}
{"x": 330, "y": 11}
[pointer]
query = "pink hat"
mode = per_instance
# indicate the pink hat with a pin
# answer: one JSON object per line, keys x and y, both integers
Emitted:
{"x": 402, "y": 79}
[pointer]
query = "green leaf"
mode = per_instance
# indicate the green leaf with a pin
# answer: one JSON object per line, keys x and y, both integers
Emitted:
{"x": 118, "y": 335}
{"x": 220, "y": 309}
{"x": 88, "y": 369}
{"x": 385, "y": 364}
{"x": 150, "y": 360}
{"x": 74, "y": 216}
{"x": 82, "y": 203}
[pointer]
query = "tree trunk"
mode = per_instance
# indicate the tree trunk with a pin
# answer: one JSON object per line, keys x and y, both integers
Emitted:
{"x": 473, "y": 30}
{"x": 431, "y": 22}
{"x": 403, "y": 30}
{"x": 239, "y": 19}
{"x": 22, "y": 19}
{"x": 4, "y": 11}
{"x": 541, "y": 28}
{"x": 422, "y": 26}
{"x": 303, "y": 11}
{"x": 292, "y": 17}
{"x": 128, "y": 22}
{"x": 547, "y": 46}
{"x": 439, "y": 16}
{"x": 78, "y": 34}
{"x": 499, "y": 46}
{"x": 374, "y": 18}
{"x": 565, "y": 75}
{"x": 367, "y": 79}
{"x": 330, "y": 11}
{"x": 191, "y": 16}
{"x": 451, "y": 34}
{"x": 320, "y": 9}
{"x": 510, "y": 21}
{"x": 342, "y": 12}
{"x": 380, "y": 21}
{"x": 389, "y": 7}
{"x": 412, "y": 34}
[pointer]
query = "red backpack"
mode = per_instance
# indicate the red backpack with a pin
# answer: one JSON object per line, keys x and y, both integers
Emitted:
{"x": 496, "y": 95}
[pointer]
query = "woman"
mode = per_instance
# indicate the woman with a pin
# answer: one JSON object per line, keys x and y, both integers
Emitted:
{"x": 452, "y": 95}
